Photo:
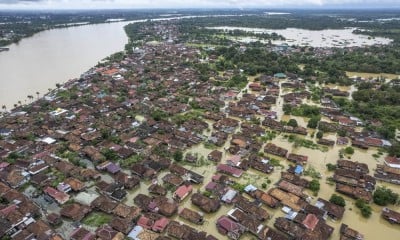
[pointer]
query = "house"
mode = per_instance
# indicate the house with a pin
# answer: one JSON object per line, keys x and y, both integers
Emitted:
{"x": 182, "y": 192}
{"x": 224, "y": 168}
{"x": 234, "y": 160}
{"x": 121, "y": 224}
{"x": 275, "y": 150}
{"x": 298, "y": 159}
{"x": 229, "y": 196}
{"x": 215, "y": 156}
{"x": 280, "y": 75}
{"x": 250, "y": 223}
{"x": 160, "y": 225}
{"x": 206, "y": 204}
{"x": 173, "y": 179}
{"x": 353, "y": 166}
{"x": 104, "y": 204}
{"x": 54, "y": 219}
{"x": 391, "y": 216}
{"x": 183, "y": 231}
{"x": 292, "y": 188}
{"x": 106, "y": 232}
{"x": 35, "y": 169}
{"x": 63, "y": 187}
{"x": 145, "y": 222}
{"x": 128, "y": 181}
{"x": 229, "y": 227}
{"x": 75, "y": 184}
{"x": 14, "y": 177}
{"x": 124, "y": 211}
{"x": 251, "y": 208}
{"x": 347, "y": 233}
{"x": 354, "y": 192}
{"x": 82, "y": 234}
{"x": 157, "y": 190}
{"x": 191, "y": 216}
{"x": 109, "y": 167}
{"x": 59, "y": 196}
{"x": 264, "y": 197}
{"x": 75, "y": 211}
{"x": 392, "y": 162}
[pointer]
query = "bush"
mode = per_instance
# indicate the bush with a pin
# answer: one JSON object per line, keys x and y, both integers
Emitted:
{"x": 313, "y": 122}
{"x": 349, "y": 150}
{"x": 384, "y": 196}
{"x": 292, "y": 122}
{"x": 364, "y": 207}
{"x": 314, "y": 186}
{"x": 338, "y": 200}
{"x": 320, "y": 134}
{"x": 331, "y": 167}
{"x": 178, "y": 155}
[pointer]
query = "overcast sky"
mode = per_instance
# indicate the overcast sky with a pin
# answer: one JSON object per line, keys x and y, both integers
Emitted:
{"x": 96, "y": 4}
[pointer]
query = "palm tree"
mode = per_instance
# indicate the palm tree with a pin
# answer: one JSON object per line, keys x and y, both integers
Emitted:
{"x": 30, "y": 97}
{"x": 4, "y": 107}
{"x": 16, "y": 105}
{"x": 58, "y": 85}
{"x": 20, "y": 103}
{"x": 37, "y": 93}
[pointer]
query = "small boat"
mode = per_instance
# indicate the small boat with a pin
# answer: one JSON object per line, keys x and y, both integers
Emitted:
{"x": 4, "y": 49}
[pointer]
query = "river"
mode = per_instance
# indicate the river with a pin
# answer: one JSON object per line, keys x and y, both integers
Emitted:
{"x": 37, "y": 63}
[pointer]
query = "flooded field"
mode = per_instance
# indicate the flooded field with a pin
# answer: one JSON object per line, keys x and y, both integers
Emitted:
{"x": 372, "y": 75}
{"x": 314, "y": 38}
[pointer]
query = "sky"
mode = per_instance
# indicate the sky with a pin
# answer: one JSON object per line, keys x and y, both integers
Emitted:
{"x": 117, "y": 4}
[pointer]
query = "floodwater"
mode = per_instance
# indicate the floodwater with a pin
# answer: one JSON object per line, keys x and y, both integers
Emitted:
{"x": 314, "y": 38}
{"x": 37, "y": 63}
{"x": 372, "y": 228}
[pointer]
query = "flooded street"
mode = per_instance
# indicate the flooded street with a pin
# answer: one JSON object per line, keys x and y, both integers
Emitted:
{"x": 373, "y": 228}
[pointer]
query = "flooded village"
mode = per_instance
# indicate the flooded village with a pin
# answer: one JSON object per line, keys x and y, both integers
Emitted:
{"x": 142, "y": 146}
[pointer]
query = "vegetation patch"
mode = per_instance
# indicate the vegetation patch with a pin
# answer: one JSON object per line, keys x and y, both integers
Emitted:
{"x": 384, "y": 196}
{"x": 96, "y": 219}
{"x": 338, "y": 200}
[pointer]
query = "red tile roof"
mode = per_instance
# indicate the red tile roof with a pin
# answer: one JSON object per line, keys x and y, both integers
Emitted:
{"x": 160, "y": 224}
{"x": 310, "y": 221}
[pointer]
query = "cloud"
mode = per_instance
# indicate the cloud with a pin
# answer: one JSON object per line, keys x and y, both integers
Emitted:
{"x": 189, "y": 4}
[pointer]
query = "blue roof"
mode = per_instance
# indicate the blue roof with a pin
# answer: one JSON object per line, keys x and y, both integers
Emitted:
{"x": 135, "y": 232}
{"x": 299, "y": 169}
{"x": 280, "y": 75}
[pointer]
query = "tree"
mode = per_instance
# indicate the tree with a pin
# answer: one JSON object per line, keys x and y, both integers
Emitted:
{"x": 314, "y": 186}
{"x": 287, "y": 109}
{"x": 384, "y": 196}
{"x": 364, "y": 207}
{"x": 331, "y": 167}
{"x": 178, "y": 156}
{"x": 349, "y": 150}
{"x": 320, "y": 134}
{"x": 313, "y": 122}
{"x": 338, "y": 200}
{"x": 292, "y": 122}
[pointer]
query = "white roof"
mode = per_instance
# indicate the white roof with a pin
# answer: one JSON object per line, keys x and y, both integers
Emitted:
{"x": 250, "y": 188}
{"x": 48, "y": 140}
